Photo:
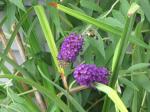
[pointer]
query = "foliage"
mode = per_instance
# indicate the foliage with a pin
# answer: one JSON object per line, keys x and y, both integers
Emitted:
{"x": 116, "y": 36}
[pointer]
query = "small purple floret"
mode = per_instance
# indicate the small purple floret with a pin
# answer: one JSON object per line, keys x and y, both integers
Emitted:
{"x": 86, "y": 74}
{"x": 102, "y": 75}
{"x": 70, "y": 48}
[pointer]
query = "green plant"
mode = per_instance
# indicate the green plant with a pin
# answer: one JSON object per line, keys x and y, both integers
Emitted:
{"x": 115, "y": 38}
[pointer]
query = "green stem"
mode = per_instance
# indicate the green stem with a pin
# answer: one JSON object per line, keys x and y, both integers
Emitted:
{"x": 122, "y": 44}
{"x": 118, "y": 57}
{"x": 110, "y": 10}
{"x": 143, "y": 101}
{"x": 27, "y": 92}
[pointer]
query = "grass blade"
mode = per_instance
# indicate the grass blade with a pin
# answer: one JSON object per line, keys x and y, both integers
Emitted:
{"x": 48, "y": 34}
{"x": 50, "y": 40}
{"x": 72, "y": 100}
{"x": 112, "y": 94}
{"x": 43, "y": 90}
{"x": 128, "y": 83}
{"x": 19, "y": 4}
{"x": 138, "y": 66}
{"x": 2, "y": 21}
{"x": 99, "y": 23}
{"x": 13, "y": 36}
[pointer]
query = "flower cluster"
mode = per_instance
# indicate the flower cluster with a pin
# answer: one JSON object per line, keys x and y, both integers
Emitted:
{"x": 70, "y": 48}
{"x": 86, "y": 74}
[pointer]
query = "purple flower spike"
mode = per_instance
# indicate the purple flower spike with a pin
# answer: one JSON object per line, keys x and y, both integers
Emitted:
{"x": 102, "y": 75}
{"x": 70, "y": 48}
{"x": 86, "y": 74}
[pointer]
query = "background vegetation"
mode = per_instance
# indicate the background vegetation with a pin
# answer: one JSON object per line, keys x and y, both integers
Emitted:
{"x": 116, "y": 35}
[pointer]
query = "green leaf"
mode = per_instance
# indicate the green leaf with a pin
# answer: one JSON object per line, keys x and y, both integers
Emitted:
{"x": 54, "y": 14}
{"x": 134, "y": 106}
{"x": 30, "y": 65}
{"x": 128, "y": 83}
{"x": 20, "y": 103}
{"x": 88, "y": 55}
{"x": 113, "y": 22}
{"x": 145, "y": 5}
{"x": 148, "y": 102}
{"x": 19, "y": 4}
{"x": 5, "y": 69}
{"x": 10, "y": 13}
{"x": 45, "y": 68}
{"x": 31, "y": 35}
{"x": 2, "y": 3}
{"x": 24, "y": 17}
{"x": 99, "y": 23}
{"x": 98, "y": 44}
{"x": 90, "y": 4}
{"x": 119, "y": 55}
{"x": 6, "y": 108}
{"x": 119, "y": 16}
{"x": 65, "y": 21}
{"x": 124, "y": 6}
{"x": 3, "y": 21}
{"x": 44, "y": 56}
{"x": 2, "y": 93}
{"x": 139, "y": 42}
{"x": 76, "y": 8}
{"x": 49, "y": 94}
{"x": 120, "y": 50}
{"x": 43, "y": 90}
{"x": 121, "y": 47}
{"x": 112, "y": 94}
{"x": 71, "y": 99}
{"x": 143, "y": 81}
{"x": 48, "y": 34}
{"x": 138, "y": 66}
{"x": 127, "y": 96}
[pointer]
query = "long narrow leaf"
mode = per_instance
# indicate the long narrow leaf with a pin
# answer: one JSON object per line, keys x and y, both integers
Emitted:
{"x": 138, "y": 66}
{"x": 112, "y": 94}
{"x": 43, "y": 90}
{"x": 48, "y": 34}
{"x": 72, "y": 100}
{"x": 128, "y": 83}
{"x": 99, "y": 23}
{"x": 19, "y": 4}
{"x": 2, "y": 21}
{"x": 13, "y": 36}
